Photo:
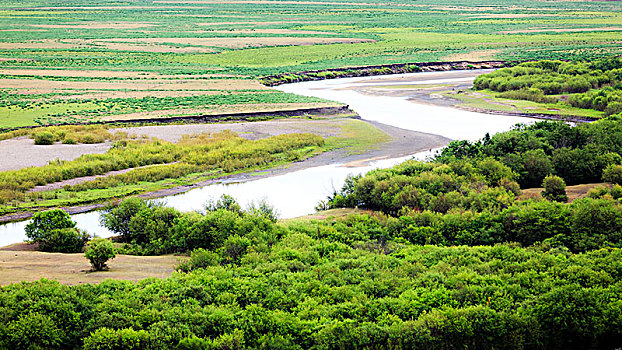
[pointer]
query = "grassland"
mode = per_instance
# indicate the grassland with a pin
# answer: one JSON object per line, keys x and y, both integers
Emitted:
{"x": 106, "y": 61}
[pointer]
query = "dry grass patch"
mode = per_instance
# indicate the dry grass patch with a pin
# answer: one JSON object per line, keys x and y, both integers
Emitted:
{"x": 78, "y": 73}
{"x": 327, "y": 215}
{"x": 73, "y": 44}
{"x": 74, "y": 269}
{"x": 96, "y": 25}
{"x": 268, "y": 2}
{"x": 267, "y": 31}
{"x": 480, "y": 55}
{"x": 573, "y": 192}
{"x": 52, "y": 85}
{"x": 562, "y": 30}
{"x": 259, "y": 23}
{"x": 507, "y": 15}
{"x": 241, "y": 42}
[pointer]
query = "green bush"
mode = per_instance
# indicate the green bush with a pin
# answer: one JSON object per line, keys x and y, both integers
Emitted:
{"x": 554, "y": 189}
{"x": 613, "y": 174}
{"x": 45, "y": 138}
{"x": 54, "y": 231}
{"x": 199, "y": 258}
{"x": 65, "y": 240}
{"x": 122, "y": 339}
{"x": 99, "y": 251}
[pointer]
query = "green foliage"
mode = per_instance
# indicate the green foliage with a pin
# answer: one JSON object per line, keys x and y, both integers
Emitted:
{"x": 313, "y": 291}
{"x": 98, "y": 253}
{"x": 199, "y": 259}
{"x": 151, "y": 228}
{"x": 151, "y": 165}
{"x": 122, "y": 339}
{"x": 577, "y": 154}
{"x": 613, "y": 174}
{"x": 54, "y": 231}
{"x": 590, "y": 86}
{"x": 554, "y": 189}
{"x": 44, "y": 138}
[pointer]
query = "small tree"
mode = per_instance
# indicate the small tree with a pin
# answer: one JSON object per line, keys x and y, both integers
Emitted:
{"x": 99, "y": 252}
{"x": 54, "y": 231}
{"x": 554, "y": 189}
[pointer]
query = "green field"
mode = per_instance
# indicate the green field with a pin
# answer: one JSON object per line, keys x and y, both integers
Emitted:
{"x": 102, "y": 61}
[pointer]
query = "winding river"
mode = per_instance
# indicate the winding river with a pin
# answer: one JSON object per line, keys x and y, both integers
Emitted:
{"x": 297, "y": 193}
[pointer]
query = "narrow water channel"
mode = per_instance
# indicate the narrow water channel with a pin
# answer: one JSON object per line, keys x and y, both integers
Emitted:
{"x": 297, "y": 193}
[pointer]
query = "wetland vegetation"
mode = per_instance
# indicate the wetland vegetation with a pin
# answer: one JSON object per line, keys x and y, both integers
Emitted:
{"x": 461, "y": 251}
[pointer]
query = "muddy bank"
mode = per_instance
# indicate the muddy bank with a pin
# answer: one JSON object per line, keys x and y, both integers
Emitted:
{"x": 400, "y": 68}
{"x": 572, "y": 119}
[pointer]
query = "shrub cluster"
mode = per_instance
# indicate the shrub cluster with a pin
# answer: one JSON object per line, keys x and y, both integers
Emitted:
{"x": 152, "y": 228}
{"x": 312, "y": 292}
{"x": 592, "y": 85}
{"x": 54, "y": 231}
{"x": 72, "y": 134}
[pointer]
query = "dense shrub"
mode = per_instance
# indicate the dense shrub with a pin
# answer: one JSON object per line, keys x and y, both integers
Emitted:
{"x": 536, "y": 81}
{"x": 613, "y": 174}
{"x": 554, "y": 189}
{"x": 98, "y": 253}
{"x": 44, "y": 138}
{"x": 54, "y": 231}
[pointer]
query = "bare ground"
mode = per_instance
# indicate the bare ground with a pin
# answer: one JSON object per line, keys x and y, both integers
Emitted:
{"x": 22, "y": 152}
{"x": 74, "y": 269}
{"x": 573, "y": 192}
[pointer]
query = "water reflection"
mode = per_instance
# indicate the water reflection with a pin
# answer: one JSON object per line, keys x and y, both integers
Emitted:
{"x": 401, "y": 112}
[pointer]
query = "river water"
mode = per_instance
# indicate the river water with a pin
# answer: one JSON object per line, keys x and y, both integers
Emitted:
{"x": 297, "y": 193}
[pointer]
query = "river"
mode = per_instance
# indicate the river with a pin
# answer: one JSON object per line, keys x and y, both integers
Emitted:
{"x": 297, "y": 193}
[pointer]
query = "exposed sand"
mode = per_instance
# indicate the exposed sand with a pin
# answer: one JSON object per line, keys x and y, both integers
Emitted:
{"x": 30, "y": 266}
{"x": 22, "y": 152}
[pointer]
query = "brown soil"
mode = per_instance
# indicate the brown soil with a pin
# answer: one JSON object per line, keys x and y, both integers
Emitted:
{"x": 96, "y": 25}
{"x": 239, "y": 42}
{"x": 480, "y": 55}
{"x": 507, "y": 15}
{"x": 78, "y": 73}
{"x": 74, "y": 269}
{"x": 51, "y": 85}
{"x": 268, "y": 31}
{"x": 266, "y": 23}
{"x": 563, "y": 30}
{"x": 328, "y": 214}
{"x": 267, "y": 2}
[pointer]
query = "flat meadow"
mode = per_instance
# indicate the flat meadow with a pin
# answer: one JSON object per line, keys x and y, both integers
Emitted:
{"x": 107, "y": 61}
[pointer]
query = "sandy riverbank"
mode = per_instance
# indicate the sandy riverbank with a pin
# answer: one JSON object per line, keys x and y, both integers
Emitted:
{"x": 401, "y": 143}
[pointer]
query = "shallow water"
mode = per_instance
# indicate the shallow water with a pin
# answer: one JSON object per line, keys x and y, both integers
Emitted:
{"x": 400, "y": 112}
{"x": 297, "y": 193}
